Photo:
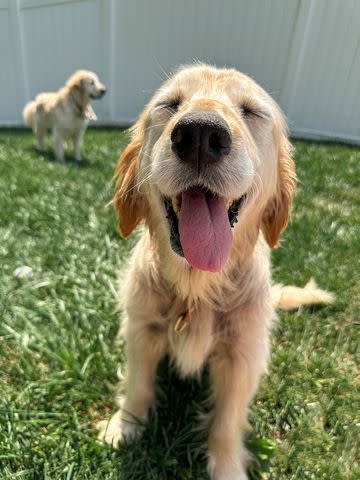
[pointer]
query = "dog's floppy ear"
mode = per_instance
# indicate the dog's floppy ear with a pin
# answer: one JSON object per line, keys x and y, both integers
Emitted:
{"x": 76, "y": 84}
{"x": 277, "y": 212}
{"x": 130, "y": 203}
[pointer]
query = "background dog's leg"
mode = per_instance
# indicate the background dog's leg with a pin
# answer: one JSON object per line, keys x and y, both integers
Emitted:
{"x": 40, "y": 133}
{"x": 58, "y": 145}
{"x": 77, "y": 141}
{"x": 235, "y": 369}
{"x": 146, "y": 346}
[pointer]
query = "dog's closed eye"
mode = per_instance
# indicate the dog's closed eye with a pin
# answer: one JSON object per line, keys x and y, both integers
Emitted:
{"x": 171, "y": 105}
{"x": 248, "y": 111}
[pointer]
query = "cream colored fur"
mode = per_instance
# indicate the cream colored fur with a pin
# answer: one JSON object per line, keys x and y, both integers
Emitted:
{"x": 231, "y": 310}
{"x": 66, "y": 112}
{"x": 290, "y": 297}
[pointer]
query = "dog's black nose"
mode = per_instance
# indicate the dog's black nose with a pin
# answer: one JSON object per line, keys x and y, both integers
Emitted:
{"x": 201, "y": 138}
{"x": 103, "y": 90}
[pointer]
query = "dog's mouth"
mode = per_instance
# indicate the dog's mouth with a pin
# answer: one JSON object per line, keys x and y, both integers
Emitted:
{"x": 200, "y": 227}
{"x": 96, "y": 96}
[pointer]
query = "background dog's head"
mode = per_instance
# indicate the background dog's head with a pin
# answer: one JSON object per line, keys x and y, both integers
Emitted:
{"x": 85, "y": 84}
{"x": 209, "y": 150}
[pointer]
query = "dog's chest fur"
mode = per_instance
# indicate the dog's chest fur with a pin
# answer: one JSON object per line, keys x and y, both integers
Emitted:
{"x": 189, "y": 347}
{"x": 69, "y": 121}
{"x": 218, "y": 319}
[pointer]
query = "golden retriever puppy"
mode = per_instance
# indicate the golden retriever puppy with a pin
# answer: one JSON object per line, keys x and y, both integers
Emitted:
{"x": 209, "y": 173}
{"x": 66, "y": 112}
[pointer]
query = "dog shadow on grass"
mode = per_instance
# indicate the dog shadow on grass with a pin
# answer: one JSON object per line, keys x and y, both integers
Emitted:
{"x": 48, "y": 155}
{"x": 171, "y": 446}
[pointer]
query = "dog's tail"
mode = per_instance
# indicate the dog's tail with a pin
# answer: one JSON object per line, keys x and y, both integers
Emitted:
{"x": 29, "y": 114}
{"x": 289, "y": 297}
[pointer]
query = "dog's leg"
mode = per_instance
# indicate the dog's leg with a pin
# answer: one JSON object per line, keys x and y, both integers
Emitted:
{"x": 235, "y": 369}
{"x": 77, "y": 141}
{"x": 146, "y": 346}
{"x": 39, "y": 129}
{"x": 58, "y": 145}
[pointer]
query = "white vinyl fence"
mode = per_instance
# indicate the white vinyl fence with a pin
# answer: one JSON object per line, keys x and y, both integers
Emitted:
{"x": 306, "y": 53}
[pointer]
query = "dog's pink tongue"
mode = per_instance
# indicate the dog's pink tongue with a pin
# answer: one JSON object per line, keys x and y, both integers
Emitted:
{"x": 205, "y": 232}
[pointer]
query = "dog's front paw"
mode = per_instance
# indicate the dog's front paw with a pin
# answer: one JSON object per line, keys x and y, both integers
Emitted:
{"x": 225, "y": 470}
{"x": 240, "y": 475}
{"x": 231, "y": 476}
{"x": 118, "y": 430}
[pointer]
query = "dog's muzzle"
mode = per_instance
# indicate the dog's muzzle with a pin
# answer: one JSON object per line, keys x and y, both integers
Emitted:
{"x": 101, "y": 93}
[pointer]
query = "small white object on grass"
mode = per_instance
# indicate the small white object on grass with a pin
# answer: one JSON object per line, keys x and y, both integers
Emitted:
{"x": 23, "y": 272}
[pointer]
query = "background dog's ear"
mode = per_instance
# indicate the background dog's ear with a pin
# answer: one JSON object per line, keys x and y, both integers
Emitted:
{"x": 130, "y": 204}
{"x": 76, "y": 84}
{"x": 80, "y": 85}
{"x": 277, "y": 212}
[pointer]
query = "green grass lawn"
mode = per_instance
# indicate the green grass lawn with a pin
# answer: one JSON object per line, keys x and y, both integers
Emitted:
{"x": 58, "y": 349}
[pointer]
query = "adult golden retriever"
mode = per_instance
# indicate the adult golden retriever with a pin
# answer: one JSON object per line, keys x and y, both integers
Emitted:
{"x": 209, "y": 172}
{"x": 67, "y": 112}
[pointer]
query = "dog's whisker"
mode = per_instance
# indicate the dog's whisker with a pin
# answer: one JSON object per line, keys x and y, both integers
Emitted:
{"x": 141, "y": 180}
{"x": 167, "y": 75}
{"x": 151, "y": 127}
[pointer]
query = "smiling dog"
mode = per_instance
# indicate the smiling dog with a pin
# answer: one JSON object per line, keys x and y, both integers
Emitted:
{"x": 67, "y": 112}
{"x": 209, "y": 172}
